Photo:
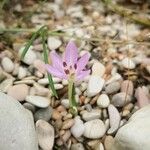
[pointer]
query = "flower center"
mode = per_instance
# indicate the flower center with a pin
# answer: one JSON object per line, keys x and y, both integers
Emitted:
{"x": 69, "y": 70}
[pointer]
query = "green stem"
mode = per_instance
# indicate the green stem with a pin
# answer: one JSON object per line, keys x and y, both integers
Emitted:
{"x": 71, "y": 96}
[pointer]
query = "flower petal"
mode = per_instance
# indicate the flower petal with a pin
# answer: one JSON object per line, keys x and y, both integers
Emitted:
{"x": 82, "y": 74}
{"x": 71, "y": 53}
{"x": 55, "y": 72}
{"x": 82, "y": 62}
{"x": 56, "y": 61}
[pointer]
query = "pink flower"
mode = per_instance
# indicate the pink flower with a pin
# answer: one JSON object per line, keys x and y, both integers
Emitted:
{"x": 70, "y": 66}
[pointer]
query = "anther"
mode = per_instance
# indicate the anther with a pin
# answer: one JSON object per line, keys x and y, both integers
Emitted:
{"x": 66, "y": 71}
{"x": 64, "y": 64}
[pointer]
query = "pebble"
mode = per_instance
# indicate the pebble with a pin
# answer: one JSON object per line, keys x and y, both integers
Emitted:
{"x": 43, "y": 113}
{"x": 29, "y": 107}
{"x": 67, "y": 124}
{"x": 56, "y": 115}
{"x": 45, "y": 81}
{"x": 7, "y": 64}
{"x": 96, "y": 126}
{"x": 16, "y": 126}
{"x": 114, "y": 118}
{"x": 77, "y": 129}
{"x": 116, "y": 77}
{"x": 127, "y": 87}
{"x": 22, "y": 73}
{"x": 66, "y": 136}
{"x": 77, "y": 146}
{"x": 45, "y": 134}
{"x": 19, "y": 92}
{"x": 134, "y": 134}
{"x": 95, "y": 85}
{"x": 98, "y": 69}
{"x": 120, "y": 99}
{"x": 108, "y": 142}
{"x": 30, "y": 56}
{"x": 39, "y": 65}
{"x": 6, "y": 84}
{"x": 65, "y": 103}
{"x": 40, "y": 90}
{"x": 38, "y": 101}
{"x": 103, "y": 101}
{"x": 112, "y": 87}
{"x": 128, "y": 63}
{"x": 53, "y": 43}
{"x": 58, "y": 86}
{"x": 141, "y": 97}
{"x": 94, "y": 114}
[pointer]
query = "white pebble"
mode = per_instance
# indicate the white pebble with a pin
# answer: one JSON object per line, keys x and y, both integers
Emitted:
{"x": 94, "y": 129}
{"x": 77, "y": 129}
{"x": 7, "y": 64}
{"x": 103, "y": 101}
{"x": 38, "y": 101}
{"x": 65, "y": 103}
{"x": 30, "y": 56}
{"x": 98, "y": 69}
{"x": 53, "y": 43}
{"x": 22, "y": 73}
{"x": 95, "y": 85}
{"x": 58, "y": 86}
{"x": 128, "y": 63}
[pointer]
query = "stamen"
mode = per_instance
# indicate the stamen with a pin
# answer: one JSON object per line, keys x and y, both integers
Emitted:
{"x": 64, "y": 64}
{"x": 66, "y": 71}
{"x": 75, "y": 66}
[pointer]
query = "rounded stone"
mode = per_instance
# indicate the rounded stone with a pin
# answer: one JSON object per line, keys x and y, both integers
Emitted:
{"x": 38, "y": 101}
{"x": 19, "y": 91}
{"x": 43, "y": 113}
{"x": 96, "y": 126}
{"x": 128, "y": 63}
{"x": 45, "y": 133}
{"x": 120, "y": 99}
{"x": 103, "y": 101}
{"x": 7, "y": 64}
{"x": 53, "y": 43}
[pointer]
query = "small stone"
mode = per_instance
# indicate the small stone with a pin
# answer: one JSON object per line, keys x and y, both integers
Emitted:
{"x": 65, "y": 103}
{"x": 6, "y": 84}
{"x": 66, "y": 136}
{"x": 128, "y": 63}
{"x": 114, "y": 118}
{"x": 30, "y": 56}
{"x": 40, "y": 90}
{"x": 148, "y": 69}
{"x": 29, "y": 107}
{"x": 38, "y": 101}
{"x": 112, "y": 87}
{"x": 127, "y": 87}
{"x": 16, "y": 126}
{"x": 77, "y": 146}
{"x": 53, "y": 43}
{"x": 58, "y": 86}
{"x": 19, "y": 91}
{"x": 43, "y": 113}
{"x": 103, "y": 101}
{"x": 56, "y": 115}
{"x": 7, "y": 64}
{"x": 108, "y": 143}
{"x": 22, "y": 73}
{"x": 39, "y": 65}
{"x": 45, "y": 133}
{"x": 121, "y": 99}
{"x": 96, "y": 126}
{"x": 141, "y": 97}
{"x": 98, "y": 69}
{"x": 67, "y": 124}
{"x": 95, "y": 85}
{"x": 94, "y": 114}
{"x": 77, "y": 129}
{"x": 116, "y": 77}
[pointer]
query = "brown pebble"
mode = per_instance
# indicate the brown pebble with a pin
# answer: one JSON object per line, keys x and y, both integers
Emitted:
{"x": 56, "y": 115}
{"x": 109, "y": 141}
{"x": 68, "y": 124}
{"x": 66, "y": 136}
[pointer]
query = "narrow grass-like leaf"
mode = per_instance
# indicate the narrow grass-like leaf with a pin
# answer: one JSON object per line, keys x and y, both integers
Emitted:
{"x": 74, "y": 103}
{"x": 27, "y": 46}
{"x": 51, "y": 83}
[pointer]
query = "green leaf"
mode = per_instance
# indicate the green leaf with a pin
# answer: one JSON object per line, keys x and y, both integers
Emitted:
{"x": 51, "y": 83}
{"x": 27, "y": 46}
{"x": 74, "y": 103}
